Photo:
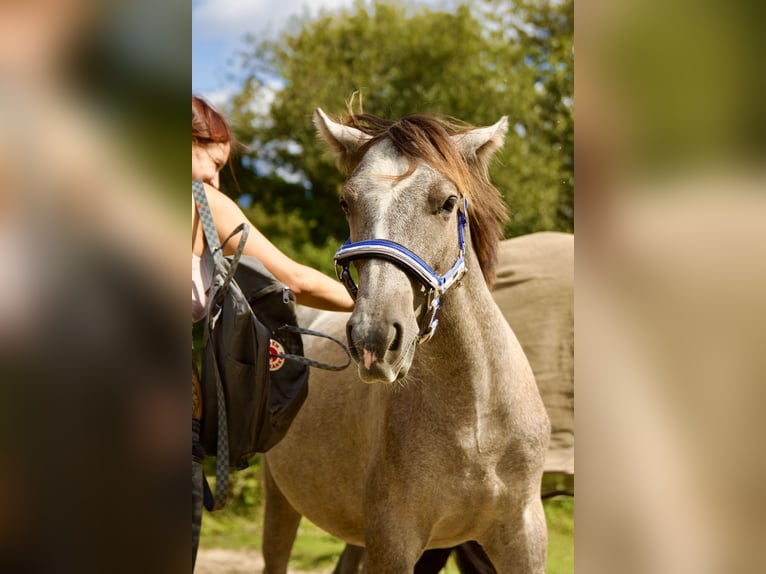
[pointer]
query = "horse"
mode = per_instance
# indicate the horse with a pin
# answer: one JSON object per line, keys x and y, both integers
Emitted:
{"x": 534, "y": 289}
{"x": 444, "y": 439}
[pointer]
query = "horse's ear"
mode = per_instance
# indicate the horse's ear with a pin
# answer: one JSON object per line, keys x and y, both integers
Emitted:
{"x": 482, "y": 142}
{"x": 343, "y": 140}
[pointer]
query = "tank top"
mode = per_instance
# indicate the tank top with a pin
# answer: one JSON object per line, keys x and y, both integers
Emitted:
{"x": 200, "y": 283}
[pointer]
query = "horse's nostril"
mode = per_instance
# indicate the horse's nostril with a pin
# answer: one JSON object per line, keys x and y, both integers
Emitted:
{"x": 350, "y": 338}
{"x": 397, "y": 340}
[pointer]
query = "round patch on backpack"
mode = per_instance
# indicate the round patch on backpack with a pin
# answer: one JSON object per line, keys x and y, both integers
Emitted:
{"x": 275, "y": 348}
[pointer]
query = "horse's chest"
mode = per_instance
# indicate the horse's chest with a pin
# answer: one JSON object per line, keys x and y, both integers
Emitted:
{"x": 469, "y": 498}
{"x": 479, "y": 461}
{"x": 480, "y": 456}
{"x": 469, "y": 464}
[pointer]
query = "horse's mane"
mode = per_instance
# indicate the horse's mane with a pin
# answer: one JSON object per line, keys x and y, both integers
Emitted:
{"x": 427, "y": 137}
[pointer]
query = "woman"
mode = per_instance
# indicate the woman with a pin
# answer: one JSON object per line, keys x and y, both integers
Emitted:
{"x": 211, "y": 148}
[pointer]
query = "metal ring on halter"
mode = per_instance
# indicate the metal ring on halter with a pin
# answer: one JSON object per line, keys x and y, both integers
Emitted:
{"x": 409, "y": 262}
{"x": 434, "y": 303}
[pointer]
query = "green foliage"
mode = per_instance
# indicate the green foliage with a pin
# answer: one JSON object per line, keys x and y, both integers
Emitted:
{"x": 245, "y": 487}
{"x": 314, "y": 548}
{"x": 197, "y": 334}
{"x": 292, "y": 233}
{"x": 222, "y": 529}
{"x": 541, "y": 161}
{"x": 559, "y": 514}
{"x": 477, "y": 63}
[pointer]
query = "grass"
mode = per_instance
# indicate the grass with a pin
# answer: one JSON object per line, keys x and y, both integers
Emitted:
{"x": 315, "y": 549}
{"x": 559, "y": 513}
{"x": 225, "y": 530}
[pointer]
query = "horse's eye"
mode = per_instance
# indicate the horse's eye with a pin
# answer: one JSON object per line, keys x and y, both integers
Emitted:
{"x": 344, "y": 206}
{"x": 449, "y": 205}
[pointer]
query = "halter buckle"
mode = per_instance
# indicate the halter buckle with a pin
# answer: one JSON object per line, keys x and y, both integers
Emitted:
{"x": 434, "y": 303}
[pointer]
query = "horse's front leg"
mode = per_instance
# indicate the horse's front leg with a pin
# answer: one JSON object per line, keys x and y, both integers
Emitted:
{"x": 519, "y": 545}
{"x": 280, "y": 525}
{"x": 393, "y": 545}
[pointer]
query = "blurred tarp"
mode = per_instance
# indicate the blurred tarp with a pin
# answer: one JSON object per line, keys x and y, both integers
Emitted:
{"x": 535, "y": 291}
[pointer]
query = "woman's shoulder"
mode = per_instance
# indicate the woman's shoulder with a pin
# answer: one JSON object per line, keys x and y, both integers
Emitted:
{"x": 219, "y": 200}
{"x": 213, "y": 194}
{"x": 225, "y": 211}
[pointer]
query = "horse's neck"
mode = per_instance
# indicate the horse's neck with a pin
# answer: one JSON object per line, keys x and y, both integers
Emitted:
{"x": 472, "y": 336}
{"x": 466, "y": 374}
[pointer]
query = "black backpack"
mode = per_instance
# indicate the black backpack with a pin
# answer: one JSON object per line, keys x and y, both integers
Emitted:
{"x": 254, "y": 375}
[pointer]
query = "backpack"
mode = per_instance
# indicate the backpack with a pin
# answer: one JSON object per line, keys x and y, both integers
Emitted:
{"x": 254, "y": 375}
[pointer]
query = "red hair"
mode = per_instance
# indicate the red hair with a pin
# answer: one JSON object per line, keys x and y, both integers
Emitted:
{"x": 208, "y": 125}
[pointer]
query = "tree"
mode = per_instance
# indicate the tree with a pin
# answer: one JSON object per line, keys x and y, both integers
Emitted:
{"x": 402, "y": 59}
{"x": 544, "y": 31}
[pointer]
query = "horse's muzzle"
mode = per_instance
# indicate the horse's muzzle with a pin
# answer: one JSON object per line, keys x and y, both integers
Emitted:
{"x": 376, "y": 348}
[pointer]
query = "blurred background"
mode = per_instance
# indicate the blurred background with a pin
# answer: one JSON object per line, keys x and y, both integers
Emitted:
{"x": 670, "y": 258}
{"x": 670, "y": 281}
{"x": 94, "y": 418}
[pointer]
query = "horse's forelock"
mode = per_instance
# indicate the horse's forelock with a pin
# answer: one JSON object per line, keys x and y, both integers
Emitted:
{"x": 427, "y": 137}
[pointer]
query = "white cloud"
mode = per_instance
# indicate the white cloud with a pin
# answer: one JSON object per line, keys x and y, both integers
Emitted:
{"x": 218, "y": 27}
{"x": 234, "y": 18}
{"x": 224, "y": 19}
{"x": 218, "y": 98}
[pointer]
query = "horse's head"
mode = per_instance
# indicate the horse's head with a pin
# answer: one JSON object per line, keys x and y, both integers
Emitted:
{"x": 404, "y": 201}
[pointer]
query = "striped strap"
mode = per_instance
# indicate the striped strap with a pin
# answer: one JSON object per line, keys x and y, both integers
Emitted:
{"x": 225, "y": 275}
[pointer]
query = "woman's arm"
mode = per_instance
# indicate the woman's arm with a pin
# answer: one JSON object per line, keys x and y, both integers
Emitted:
{"x": 311, "y": 287}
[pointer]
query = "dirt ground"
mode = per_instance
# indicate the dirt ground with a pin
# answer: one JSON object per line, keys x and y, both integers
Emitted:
{"x": 221, "y": 561}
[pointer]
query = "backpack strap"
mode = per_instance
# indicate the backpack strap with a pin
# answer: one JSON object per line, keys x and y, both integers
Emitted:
{"x": 227, "y": 268}
{"x": 306, "y": 360}
{"x": 206, "y": 219}
{"x": 222, "y": 445}
{"x": 226, "y": 272}
{"x": 208, "y": 500}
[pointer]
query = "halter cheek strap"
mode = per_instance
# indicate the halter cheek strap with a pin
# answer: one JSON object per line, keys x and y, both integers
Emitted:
{"x": 435, "y": 285}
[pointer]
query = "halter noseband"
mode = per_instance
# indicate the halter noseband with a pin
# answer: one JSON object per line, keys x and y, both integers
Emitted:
{"x": 434, "y": 284}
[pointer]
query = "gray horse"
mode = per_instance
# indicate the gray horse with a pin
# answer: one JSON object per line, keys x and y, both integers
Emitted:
{"x": 448, "y": 440}
{"x": 534, "y": 289}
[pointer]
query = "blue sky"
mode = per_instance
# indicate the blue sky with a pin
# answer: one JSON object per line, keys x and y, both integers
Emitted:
{"x": 218, "y": 27}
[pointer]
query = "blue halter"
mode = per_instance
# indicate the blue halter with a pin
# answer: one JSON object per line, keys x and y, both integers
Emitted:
{"x": 434, "y": 284}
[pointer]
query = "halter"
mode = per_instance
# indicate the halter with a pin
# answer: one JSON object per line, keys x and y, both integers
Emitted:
{"x": 435, "y": 285}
